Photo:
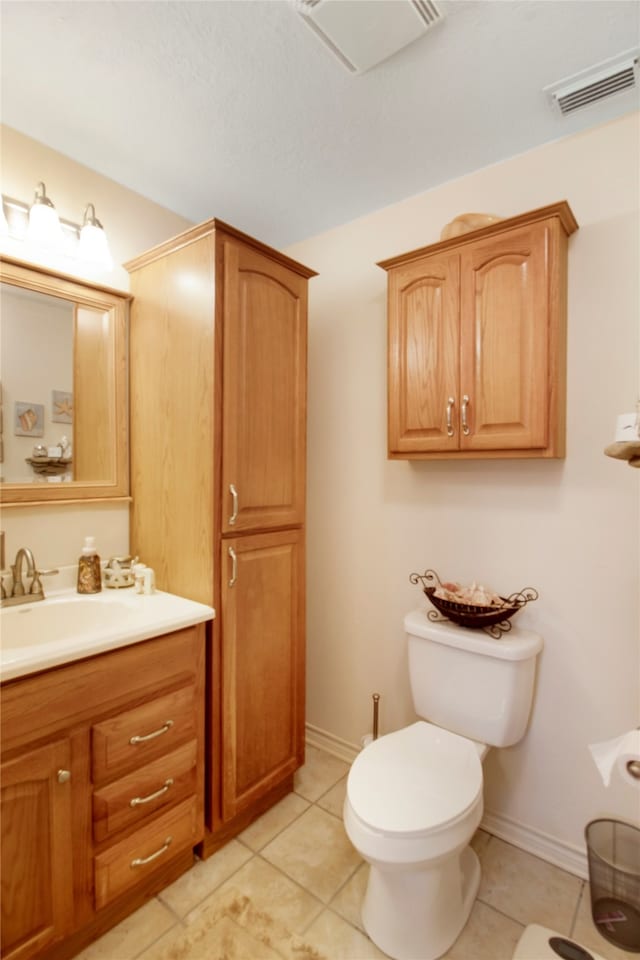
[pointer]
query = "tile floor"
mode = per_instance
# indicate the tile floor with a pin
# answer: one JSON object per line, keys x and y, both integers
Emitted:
{"x": 296, "y": 864}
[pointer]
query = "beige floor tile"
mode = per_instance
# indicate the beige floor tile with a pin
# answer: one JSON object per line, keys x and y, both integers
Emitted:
{"x": 333, "y": 936}
{"x": 586, "y": 934}
{"x": 132, "y": 935}
{"x": 348, "y": 901}
{"x": 319, "y": 773}
{"x": 527, "y": 889}
{"x": 315, "y": 852}
{"x": 333, "y": 800}
{"x": 270, "y": 891}
{"x": 488, "y": 935}
{"x": 204, "y": 877}
{"x": 271, "y": 823}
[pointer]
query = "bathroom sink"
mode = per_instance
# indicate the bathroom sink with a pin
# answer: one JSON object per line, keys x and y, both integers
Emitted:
{"x": 51, "y": 621}
{"x": 67, "y": 626}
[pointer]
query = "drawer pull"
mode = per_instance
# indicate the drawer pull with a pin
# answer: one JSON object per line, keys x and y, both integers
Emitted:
{"x": 151, "y": 736}
{"x": 137, "y": 801}
{"x": 142, "y": 861}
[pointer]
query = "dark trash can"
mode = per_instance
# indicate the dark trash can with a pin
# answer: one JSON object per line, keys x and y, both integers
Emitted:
{"x": 613, "y": 850}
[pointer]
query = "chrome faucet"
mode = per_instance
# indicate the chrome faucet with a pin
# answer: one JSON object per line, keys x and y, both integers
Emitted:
{"x": 18, "y": 592}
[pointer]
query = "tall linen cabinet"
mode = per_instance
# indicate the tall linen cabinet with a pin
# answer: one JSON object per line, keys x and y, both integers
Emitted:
{"x": 218, "y": 449}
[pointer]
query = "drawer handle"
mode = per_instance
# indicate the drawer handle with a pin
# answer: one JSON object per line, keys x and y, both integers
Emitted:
{"x": 151, "y": 736}
{"x": 141, "y": 861}
{"x": 137, "y": 801}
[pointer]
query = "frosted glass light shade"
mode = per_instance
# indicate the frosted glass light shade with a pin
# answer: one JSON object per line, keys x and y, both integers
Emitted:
{"x": 93, "y": 246}
{"x": 44, "y": 228}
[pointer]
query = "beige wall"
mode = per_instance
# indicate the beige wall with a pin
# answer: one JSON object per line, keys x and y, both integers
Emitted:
{"x": 133, "y": 224}
{"x": 568, "y": 528}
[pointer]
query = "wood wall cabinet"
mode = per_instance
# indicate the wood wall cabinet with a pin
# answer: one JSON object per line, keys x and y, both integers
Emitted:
{"x": 477, "y": 342}
{"x": 218, "y": 450}
{"x": 102, "y": 795}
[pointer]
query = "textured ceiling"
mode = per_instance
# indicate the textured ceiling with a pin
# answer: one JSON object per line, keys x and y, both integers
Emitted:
{"x": 234, "y": 109}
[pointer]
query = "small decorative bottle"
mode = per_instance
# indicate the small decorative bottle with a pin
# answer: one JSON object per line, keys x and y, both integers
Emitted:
{"x": 89, "y": 575}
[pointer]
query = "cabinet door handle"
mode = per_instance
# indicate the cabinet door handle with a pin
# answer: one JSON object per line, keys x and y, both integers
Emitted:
{"x": 64, "y": 776}
{"x": 234, "y": 504}
{"x": 465, "y": 425}
{"x": 151, "y": 736}
{"x": 234, "y": 567}
{"x": 137, "y": 801}
{"x": 450, "y": 405}
{"x": 141, "y": 861}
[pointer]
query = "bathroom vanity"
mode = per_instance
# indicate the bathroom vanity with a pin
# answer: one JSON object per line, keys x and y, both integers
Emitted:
{"x": 102, "y": 779}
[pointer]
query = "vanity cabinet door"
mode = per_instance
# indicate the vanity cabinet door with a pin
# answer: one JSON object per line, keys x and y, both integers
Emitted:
{"x": 264, "y": 392}
{"x": 37, "y": 872}
{"x": 262, "y": 664}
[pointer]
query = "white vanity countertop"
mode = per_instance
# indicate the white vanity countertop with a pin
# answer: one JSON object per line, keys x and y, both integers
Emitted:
{"x": 67, "y": 626}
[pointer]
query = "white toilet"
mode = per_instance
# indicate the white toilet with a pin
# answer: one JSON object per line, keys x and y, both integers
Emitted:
{"x": 414, "y": 797}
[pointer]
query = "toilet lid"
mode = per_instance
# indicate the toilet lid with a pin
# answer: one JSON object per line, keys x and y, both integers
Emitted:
{"x": 415, "y": 779}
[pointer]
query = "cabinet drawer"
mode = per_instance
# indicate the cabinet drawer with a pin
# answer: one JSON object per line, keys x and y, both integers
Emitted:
{"x": 132, "y": 798}
{"x": 131, "y": 861}
{"x": 134, "y": 737}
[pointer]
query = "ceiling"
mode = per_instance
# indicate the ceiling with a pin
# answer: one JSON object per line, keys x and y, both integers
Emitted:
{"x": 235, "y": 109}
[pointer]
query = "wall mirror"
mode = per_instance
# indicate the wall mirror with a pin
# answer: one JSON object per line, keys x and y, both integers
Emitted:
{"x": 63, "y": 388}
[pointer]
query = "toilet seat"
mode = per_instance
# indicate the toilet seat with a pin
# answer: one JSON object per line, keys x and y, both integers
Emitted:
{"x": 415, "y": 780}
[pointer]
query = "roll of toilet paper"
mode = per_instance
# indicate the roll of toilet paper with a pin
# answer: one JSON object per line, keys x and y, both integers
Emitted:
{"x": 617, "y": 753}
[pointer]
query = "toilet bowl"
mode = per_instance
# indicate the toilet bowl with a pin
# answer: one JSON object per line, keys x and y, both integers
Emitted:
{"x": 414, "y": 797}
{"x": 414, "y": 800}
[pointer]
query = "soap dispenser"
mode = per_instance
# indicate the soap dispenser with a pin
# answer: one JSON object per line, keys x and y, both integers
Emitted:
{"x": 89, "y": 575}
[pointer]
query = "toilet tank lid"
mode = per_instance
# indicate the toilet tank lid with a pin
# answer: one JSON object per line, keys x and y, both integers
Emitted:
{"x": 515, "y": 645}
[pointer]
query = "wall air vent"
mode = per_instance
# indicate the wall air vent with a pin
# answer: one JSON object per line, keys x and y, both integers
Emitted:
{"x": 598, "y": 82}
{"x": 360, "y": 34}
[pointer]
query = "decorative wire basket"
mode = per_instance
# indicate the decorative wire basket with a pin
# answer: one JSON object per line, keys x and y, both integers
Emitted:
{"x": 494, "y": 619}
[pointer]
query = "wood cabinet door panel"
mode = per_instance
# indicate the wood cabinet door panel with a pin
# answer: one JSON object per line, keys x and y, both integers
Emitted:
{"x": 504, "y": 340}
{"x": 264, "y": 392}
{"x": 37, "y": 871}
{"x": 423, "y": 355}
{"x": 263, "y": 665}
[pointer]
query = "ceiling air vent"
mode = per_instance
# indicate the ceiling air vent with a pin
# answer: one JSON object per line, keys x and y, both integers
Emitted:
{"x": 598, "y": 82}
{"x": 361, "y": 34}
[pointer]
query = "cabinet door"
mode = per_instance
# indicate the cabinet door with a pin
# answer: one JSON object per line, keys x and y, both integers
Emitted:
{"x": 37, "y": 875}
{"x": 505, "y": 340}
{"x": 262, "y": 665}
{"x": 423, "y": 352}
{"x": 264, "y": 392}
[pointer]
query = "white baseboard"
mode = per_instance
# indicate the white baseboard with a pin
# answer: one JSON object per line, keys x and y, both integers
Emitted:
{"x": 342, "y": 749}
{"x": 560, "y": 854}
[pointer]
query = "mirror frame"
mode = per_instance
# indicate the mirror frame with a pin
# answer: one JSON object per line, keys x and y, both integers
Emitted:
{"x": 115, "y": 302}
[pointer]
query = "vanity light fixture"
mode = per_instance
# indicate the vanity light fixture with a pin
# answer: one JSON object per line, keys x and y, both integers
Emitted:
{"x": 39, "y": 226}
{"x": 44, "y": 228}
{"x": 93, "y": 246}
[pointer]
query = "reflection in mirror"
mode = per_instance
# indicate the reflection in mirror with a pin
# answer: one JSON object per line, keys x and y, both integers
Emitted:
{"x": 63, "y": 388}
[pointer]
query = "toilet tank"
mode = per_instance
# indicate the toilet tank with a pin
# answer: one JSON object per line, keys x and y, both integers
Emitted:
{"x": 468, "y": 682}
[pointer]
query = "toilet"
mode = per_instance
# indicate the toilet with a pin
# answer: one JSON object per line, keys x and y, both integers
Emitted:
{"x": 414, "y": 797}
